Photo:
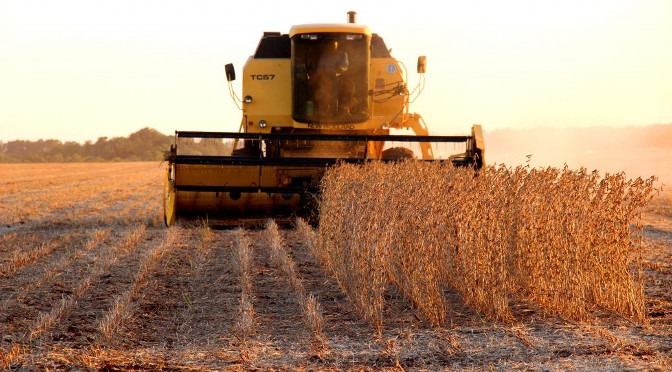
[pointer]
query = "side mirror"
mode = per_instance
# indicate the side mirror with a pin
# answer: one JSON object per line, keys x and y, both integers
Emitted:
{"x": 230, "y": 72}
{"x": 422, "y": 64}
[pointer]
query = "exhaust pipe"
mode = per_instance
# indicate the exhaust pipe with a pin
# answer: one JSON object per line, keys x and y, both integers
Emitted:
{"x": 352, "y": 17}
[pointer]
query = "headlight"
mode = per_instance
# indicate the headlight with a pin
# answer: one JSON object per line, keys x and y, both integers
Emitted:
{"x": 262, "y": 123}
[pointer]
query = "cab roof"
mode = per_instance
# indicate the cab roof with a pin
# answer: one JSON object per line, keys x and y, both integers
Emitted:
{"x": 330, "y": 27}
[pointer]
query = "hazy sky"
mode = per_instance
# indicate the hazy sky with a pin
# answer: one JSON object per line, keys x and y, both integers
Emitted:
{"x": 79, "y": 70}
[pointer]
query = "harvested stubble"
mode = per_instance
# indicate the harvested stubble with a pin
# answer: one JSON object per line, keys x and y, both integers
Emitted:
{"x": 567, "y": 240}
{"x": 123, "y": 303}
{"x": 242, "y": 256}
{"x": 283, "y": 261}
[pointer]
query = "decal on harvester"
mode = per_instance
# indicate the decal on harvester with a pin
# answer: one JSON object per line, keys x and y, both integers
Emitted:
{"x": 391, "y": 68}
{"x": 262, "y": 77}
{"x": 331, "y": 126}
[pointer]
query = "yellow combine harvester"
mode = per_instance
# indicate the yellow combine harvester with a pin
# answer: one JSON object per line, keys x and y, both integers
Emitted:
{"x": 322, "y": 94}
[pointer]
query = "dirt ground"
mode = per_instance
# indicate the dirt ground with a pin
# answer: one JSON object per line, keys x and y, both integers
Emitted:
{"x": 90, "y": 279}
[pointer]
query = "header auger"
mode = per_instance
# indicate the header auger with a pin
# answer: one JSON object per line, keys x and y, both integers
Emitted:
{"x": 322, "y": 94}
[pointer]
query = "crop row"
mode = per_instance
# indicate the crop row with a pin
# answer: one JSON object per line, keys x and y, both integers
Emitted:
{"x": 567, "y": 241}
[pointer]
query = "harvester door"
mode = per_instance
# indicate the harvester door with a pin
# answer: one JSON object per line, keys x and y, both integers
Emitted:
{"x": 330, "y": 78}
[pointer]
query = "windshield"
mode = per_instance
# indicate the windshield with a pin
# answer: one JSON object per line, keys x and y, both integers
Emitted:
{"x": 331, "y": 74}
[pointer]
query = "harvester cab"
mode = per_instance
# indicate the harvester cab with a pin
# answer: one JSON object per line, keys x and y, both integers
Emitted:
{"x": 319, "y": 95}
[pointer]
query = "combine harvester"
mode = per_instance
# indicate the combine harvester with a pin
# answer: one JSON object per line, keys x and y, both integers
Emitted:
{"x": 322, "y": 94}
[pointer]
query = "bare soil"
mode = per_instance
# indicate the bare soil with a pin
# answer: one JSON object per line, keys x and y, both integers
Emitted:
{"x": 90, "y": 279}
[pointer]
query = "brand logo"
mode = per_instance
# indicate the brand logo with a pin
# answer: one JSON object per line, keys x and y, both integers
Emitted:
{"x": 331, "y": 126}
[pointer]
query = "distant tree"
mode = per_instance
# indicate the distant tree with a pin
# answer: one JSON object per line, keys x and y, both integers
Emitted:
{"x": 146, "y": 144}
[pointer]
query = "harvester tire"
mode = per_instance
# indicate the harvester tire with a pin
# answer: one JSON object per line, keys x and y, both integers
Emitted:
{"x": 398, "y": 153}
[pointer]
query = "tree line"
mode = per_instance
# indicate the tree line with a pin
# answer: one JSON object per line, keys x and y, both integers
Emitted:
{"x": 147, "y": 144}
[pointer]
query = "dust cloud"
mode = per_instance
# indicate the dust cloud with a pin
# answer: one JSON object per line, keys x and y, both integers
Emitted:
{"x": 637, "y": 151}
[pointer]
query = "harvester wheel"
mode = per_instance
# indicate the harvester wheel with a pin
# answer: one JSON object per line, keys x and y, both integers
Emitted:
{"x": 169, "y": 200}
{"x": 398, "y": 153}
